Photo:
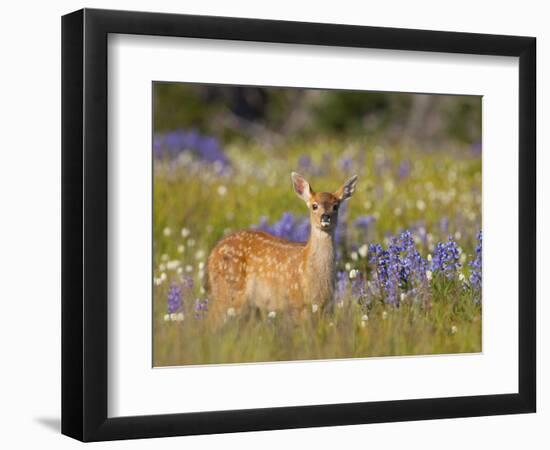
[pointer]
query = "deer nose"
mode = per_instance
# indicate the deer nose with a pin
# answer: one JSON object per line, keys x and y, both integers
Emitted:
{"x": 325, "y": 217}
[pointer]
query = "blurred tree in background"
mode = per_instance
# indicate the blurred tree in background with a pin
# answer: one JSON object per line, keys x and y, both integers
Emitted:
{"x": 270, "y": 114}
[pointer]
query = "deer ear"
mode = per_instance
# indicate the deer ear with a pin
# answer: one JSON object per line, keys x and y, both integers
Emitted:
{"x": 301, "y": 186}
{"x": 347, "y": 189}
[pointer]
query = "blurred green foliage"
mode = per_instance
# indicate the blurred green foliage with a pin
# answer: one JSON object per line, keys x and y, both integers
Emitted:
{"x": 255, "y": 113}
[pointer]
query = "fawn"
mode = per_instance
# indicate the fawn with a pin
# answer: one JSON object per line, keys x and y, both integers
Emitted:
{"x": 258, "y": 270}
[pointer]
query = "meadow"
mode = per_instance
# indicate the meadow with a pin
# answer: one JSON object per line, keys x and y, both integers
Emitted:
{"x": 409, "y": 247}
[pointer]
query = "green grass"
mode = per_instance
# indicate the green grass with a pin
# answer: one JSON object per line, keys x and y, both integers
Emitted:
{"x": 441, "y": 184}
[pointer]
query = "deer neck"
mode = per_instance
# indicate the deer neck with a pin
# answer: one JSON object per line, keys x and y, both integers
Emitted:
{"x": 320, "y": 261}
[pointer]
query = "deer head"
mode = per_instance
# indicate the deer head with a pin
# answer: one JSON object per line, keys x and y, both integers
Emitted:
{"x": 323, "y": 206}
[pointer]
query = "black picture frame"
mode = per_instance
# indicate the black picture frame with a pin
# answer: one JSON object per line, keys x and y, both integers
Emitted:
{"x": 84, "y": 224}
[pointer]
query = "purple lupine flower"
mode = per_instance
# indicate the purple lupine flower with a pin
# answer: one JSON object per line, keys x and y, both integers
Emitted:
{"x": 397, "y": 269}
{"x": 476, "y": 264}
{"x": 359, "y": 288}
{"x": 386, "y": 270}
{"x": 201, "y": 308}
{"x": 174, "y": 298}
{"x": 305, "y": 162}
{"x": 287, "y": 227}
{"x": 405, "y": 245}
{"x": 413, "y": 266}
{"x": 364, "y": 222}
{"x": 444, "y": 225}
{"x": 187, "y": 283}
{"x": 394, "y": 272}
{"x": 341, "y": 230}
{"x": 301, "y": 231}
{"x": 340, "y": 288}
{"x": 346, "y": 164}
{"x": 173, "y": 143}
{"x": 423, "y": 235}
{"x": 446, "y": 258}
{"x": 404, "y": 169}
{"x": 284, "y": 226}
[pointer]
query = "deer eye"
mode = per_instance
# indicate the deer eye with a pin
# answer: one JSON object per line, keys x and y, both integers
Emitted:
{"x": 335, "y": 207}
{"x": 314, "y": 206}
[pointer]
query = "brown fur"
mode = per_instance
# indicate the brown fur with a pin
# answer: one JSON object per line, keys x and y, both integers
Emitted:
{"x": 258, "y": 270}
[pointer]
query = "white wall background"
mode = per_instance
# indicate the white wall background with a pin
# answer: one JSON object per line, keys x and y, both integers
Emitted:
{"x": 30, "y": 220}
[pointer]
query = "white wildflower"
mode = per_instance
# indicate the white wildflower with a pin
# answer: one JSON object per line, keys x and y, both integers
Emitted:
{"x": 164, "y": 257}
{"x": 231, "y": 312}
{"x": 354, "y": 256}
{"x": 157, "y": 281}
{"x": 181, "y": 248}
{"x": 348, "y": 266}
{"x": 202, "y": 290}
{"x": 397, "y": 211}
{"x": 420, "y": 205}
{"x": 364, "y": 318}
{"x": 162, "y": 267}
{"x": 191, "y": 242}
{"x": 199, "y": 254}
{"x": 179, "y": 270}
{"x": 340, "y": 304}
{"x": 189, "y": 268}
{"x": 353, "y": 274}
{"x": 179, "y": 317}
{"x": 167, "y": 231}
{"x": 454, "y": 329}
{"x": 429, "y": 258}
{"x": 314, "y": 307}
{"x": 222, "y": 190}
{"x": 363, "y": 250}
{"x": 272, "y": 314}
{"x": 173, "y": 317}
{"x": 458, "y": 235}
{"x": 403, "y": 297}
{"x": 384, "y": 315}
{"x": 201, "y": 265}
{"x": 173, "y": 265}
{"x": 185, "y": 232}
{"x": 163, "y": 276}
{"x": 166, "y": 317}
{"x": 461, "y": 277}
{"x": 429, "y": 274}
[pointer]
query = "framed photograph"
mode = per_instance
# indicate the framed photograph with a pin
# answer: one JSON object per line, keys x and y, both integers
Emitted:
{"x": 273, "y": 224}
